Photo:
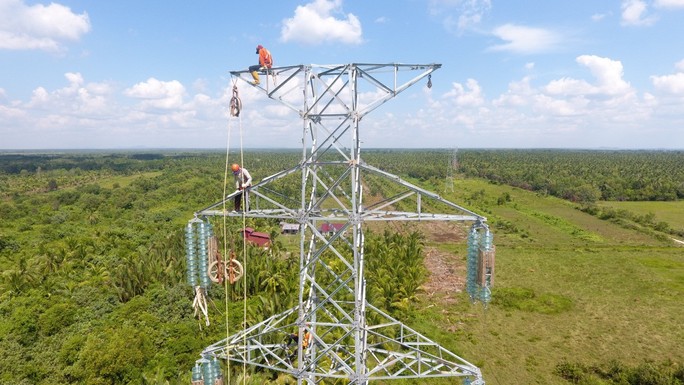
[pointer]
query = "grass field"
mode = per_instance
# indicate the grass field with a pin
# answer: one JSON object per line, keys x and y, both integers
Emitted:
{"x": 568, "y": 287}
{"x": 670, "y": 212}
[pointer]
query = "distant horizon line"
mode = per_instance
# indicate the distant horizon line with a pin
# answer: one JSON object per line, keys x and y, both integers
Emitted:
{"x": 213, "y": 149}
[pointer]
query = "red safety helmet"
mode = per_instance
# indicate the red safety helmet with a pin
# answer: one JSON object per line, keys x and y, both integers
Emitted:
{"x": 258, "y": 48}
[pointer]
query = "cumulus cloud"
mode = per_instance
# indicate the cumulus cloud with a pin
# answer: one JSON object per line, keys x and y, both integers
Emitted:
{"x": 459, "y": 15}
{"x": 608, "y": 74}
{"x": 525, "y": 40}
{"x": 635, "y": 12}
{"x": 41, "y": 27}
{"x": 517, "y": 95}
{"x": 600, "y": 110}
{"x": 154, "y": 113}
{"x": 556, "y": 113}
{"x": 671, "y": 84}
{"x": 158, "y": 94}
{"x": 470, "y": 95}
{"x": 315, "y": 23}
{"x": 76, "y": 99}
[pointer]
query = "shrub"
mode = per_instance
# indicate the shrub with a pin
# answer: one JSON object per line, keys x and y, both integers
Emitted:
{"x": 572, "y": 372}
{"x": 527, "y": 300}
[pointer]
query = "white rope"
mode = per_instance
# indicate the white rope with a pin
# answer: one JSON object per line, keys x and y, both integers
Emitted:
{"x": 200, "y": 305}
{"x": 235, "y": 107}
{"x": 239, "y": 269}
{"x": 243, "y": 196}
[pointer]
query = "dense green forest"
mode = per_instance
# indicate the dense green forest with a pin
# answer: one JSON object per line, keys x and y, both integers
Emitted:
{"x": 575, "y": 175}
{"x": 583, "y": 176}
{"x": 93, "y": 270}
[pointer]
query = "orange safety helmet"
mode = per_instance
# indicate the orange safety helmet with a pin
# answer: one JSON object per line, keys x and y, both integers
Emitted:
{"x": 258, "y": 48}
{"x": 235, "y": 167}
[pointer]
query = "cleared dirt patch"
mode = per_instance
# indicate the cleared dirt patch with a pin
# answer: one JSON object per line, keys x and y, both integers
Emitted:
{"x": 446, "y": 275}
{"x": 446, "y": 270}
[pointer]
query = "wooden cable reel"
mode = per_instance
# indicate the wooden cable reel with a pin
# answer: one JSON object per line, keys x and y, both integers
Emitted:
{"x": 220, "y": 269}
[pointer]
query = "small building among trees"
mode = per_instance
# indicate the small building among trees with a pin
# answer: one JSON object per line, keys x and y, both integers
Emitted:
{"x": 289, "y": 228}
{"x": 256, "y": 238}
{"x": 330, "y": 229}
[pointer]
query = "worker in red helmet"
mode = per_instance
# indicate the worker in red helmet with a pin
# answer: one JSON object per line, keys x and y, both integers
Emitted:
{"x": 243, "y": 181}
{"x": 265, "y": 63}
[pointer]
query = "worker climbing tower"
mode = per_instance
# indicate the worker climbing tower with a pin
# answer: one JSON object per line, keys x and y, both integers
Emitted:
{"x": 345, "y": 336}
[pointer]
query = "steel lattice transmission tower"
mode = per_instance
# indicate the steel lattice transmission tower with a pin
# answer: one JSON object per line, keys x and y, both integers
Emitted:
{"x": 453, "y": 165}
{"x": 351, "y": 338}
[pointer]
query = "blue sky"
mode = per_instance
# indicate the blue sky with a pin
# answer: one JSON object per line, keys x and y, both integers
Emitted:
{"x": 155, "y": 74}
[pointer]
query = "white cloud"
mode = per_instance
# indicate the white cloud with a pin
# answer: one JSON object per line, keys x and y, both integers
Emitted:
{"x": 673, "y": 84}
{"x": 27, "y": 27}
{"x": 158, "y": 94}
{"x": 74, "y": 78}
{"x": 525, "y": 40}
{"x": 608, "y": 74}
{"x": 470, "y": 95}
{"x": 669, "y": 4}
{"x": 602, "y": 110}
{"x": 517, "y": 95}
{"x": 562, "y": 112}
{"x": 315, "y": 24}
{"x": 459, "y": 15}
{"x": 569, "y": 86}
{"x": 680, "y": 65}
{"x": 634, "y": 12}
{"x": 151, "y": 113}
{"x": 598, "y": 16}
{"x": 77, "y": 99}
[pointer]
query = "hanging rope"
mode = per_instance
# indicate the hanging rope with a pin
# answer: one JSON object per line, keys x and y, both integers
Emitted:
{"x": 243, "y": 196}
{"x": 200, "y": 305}
{"x": 233, "y": 269}
{"x": 234, "y": 102}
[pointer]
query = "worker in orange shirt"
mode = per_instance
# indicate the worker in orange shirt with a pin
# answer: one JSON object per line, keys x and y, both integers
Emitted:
{"x": 293, "y": 338}
{"x": 265, "y": 62}
{"x": 307, "y": 339}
